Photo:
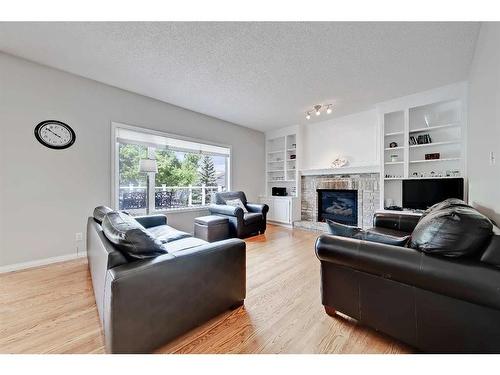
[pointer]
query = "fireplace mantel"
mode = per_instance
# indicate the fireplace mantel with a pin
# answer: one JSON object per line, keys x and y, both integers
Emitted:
{"x": 341, "y": 171}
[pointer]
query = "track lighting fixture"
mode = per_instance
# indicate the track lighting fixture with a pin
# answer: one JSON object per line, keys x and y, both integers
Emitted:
{"x": 317, "y": 108}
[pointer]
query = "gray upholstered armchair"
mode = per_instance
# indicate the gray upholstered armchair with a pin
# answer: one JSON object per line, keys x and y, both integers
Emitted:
{"x": 241, "y": 224}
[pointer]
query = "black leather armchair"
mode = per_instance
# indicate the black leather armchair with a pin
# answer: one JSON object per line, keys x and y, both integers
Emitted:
{"x": 434, "y": 303}
{"x": 241, "y": 224}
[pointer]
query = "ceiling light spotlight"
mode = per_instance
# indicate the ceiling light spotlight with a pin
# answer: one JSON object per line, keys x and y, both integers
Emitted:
{"x": 308, "y": 115}
{"x": 329, "y": 109}
{"x": 317, "y": 108}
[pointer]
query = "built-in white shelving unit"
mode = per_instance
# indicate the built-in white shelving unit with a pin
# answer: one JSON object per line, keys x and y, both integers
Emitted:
{"x": 282, "y": 170}
{"x": 281, "y": 164}
{"x": 439, "y": 120}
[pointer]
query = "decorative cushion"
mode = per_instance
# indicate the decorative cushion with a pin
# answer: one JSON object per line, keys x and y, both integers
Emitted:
{"x": 100, "y": 212}
{"x": 343, "y": 230}
{"x": 236, "y": 203}
{"x": 130, "y": 237}
{"x": 450, "y": 202}
{"x": 222, "y": 197}
{"x": 454, "y": 231}
{"x": 390, "y": 232}
{"x": 383, "y": 238}
{"x": 492, "y": 253}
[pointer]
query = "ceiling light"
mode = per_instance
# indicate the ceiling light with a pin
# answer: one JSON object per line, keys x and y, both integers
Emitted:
{"x": 317, "y": 108}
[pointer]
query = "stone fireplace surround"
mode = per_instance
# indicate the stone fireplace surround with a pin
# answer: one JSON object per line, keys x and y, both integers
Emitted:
{"x": 367, "y": 185}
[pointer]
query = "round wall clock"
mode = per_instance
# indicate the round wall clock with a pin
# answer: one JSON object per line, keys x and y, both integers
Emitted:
{"x": 55, "y": 134}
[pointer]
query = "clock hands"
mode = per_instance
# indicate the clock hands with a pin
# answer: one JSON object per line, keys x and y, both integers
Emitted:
{"x": 57, "y": 135}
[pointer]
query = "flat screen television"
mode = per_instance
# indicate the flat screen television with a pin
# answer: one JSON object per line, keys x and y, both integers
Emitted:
{"x": 421, "y": 194}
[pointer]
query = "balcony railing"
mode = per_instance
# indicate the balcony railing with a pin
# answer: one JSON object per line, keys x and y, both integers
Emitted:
{"x": 167, "y": 197}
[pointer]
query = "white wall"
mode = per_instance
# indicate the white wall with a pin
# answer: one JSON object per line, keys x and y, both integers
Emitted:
{"x": 354, "y": 137}
{"x": 484, "y": 123}
{"x": 46, "y": 195}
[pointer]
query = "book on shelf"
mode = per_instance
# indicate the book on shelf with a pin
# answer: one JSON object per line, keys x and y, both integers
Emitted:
{"x": 420, "y": 140}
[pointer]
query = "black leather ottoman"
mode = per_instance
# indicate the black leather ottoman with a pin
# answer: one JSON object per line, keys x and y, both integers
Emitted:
{"x": 211, "y": 228}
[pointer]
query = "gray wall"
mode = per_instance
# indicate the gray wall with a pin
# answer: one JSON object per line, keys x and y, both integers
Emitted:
{"x": 46, "y": 195}
{"x": 484, "y": 123}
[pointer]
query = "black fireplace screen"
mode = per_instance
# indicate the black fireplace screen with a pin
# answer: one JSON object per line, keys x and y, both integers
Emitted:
{"x": 338, "y": 205}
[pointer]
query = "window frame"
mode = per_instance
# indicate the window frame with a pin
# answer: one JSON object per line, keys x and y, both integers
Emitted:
{"x": 115, "y": 177}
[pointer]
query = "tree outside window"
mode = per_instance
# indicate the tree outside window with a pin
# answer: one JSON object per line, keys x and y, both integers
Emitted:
{"x": 184, "y": 179}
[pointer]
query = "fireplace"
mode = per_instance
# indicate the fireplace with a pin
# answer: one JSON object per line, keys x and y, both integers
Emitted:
{"x": 338, "y": 205}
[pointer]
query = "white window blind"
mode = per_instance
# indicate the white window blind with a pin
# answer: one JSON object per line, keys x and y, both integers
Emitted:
{"x": 161, "y": 142}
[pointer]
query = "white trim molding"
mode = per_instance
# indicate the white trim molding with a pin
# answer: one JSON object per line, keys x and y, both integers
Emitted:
{"x": 41, "y": 262}
{"x": 341, "y": 170}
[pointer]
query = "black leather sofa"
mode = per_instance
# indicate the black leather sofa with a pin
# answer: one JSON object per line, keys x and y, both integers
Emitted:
{"x": 142, "y": 304}
{"x": 434, "y": 303}
{"x": 241, "y": 224}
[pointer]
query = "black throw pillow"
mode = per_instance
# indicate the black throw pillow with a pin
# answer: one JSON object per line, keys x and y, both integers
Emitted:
{"x": 492, "y": 253}
{"x": 130, "y": 237}
{"x": 384, "y": 238}
{"x": 343, "y": 230}
{"x": 455, "y": 231}
{"x": 450, "y": 202}
{"x": 100, "y": 212}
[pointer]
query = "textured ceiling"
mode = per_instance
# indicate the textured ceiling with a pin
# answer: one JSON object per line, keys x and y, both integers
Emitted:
{"x": 259, "y": 75}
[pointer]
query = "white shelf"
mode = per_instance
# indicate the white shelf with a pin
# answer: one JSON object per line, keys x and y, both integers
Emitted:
{"x": 435, "y": 144}
{"x": 427, "y": 178}
{"x": 440, "y": 116}
{"x": 416, "y": 178}
{"x": 279, "y": 172}
{"x": 432, "y": 160}
{"x": 429, "y": 128}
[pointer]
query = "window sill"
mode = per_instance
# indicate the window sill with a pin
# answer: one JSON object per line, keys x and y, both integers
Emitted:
{"x": 181, "y": 210}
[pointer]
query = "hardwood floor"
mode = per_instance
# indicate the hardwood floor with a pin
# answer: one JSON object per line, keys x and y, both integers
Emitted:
{"x": 51, "y": 309}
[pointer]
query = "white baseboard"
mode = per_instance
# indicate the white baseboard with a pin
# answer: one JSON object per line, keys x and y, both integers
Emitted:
{"x": 41, "y": 262}
{"x": 280, "y": 224}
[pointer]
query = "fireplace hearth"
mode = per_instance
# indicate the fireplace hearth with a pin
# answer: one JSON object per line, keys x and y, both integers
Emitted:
{"x": 339, "y": 205}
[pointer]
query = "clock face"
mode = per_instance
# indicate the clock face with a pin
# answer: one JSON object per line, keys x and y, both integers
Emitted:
{"x": 55, "y": 134}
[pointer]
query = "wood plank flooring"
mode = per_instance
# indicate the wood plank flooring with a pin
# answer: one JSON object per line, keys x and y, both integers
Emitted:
{"x": 51, "y": 309}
